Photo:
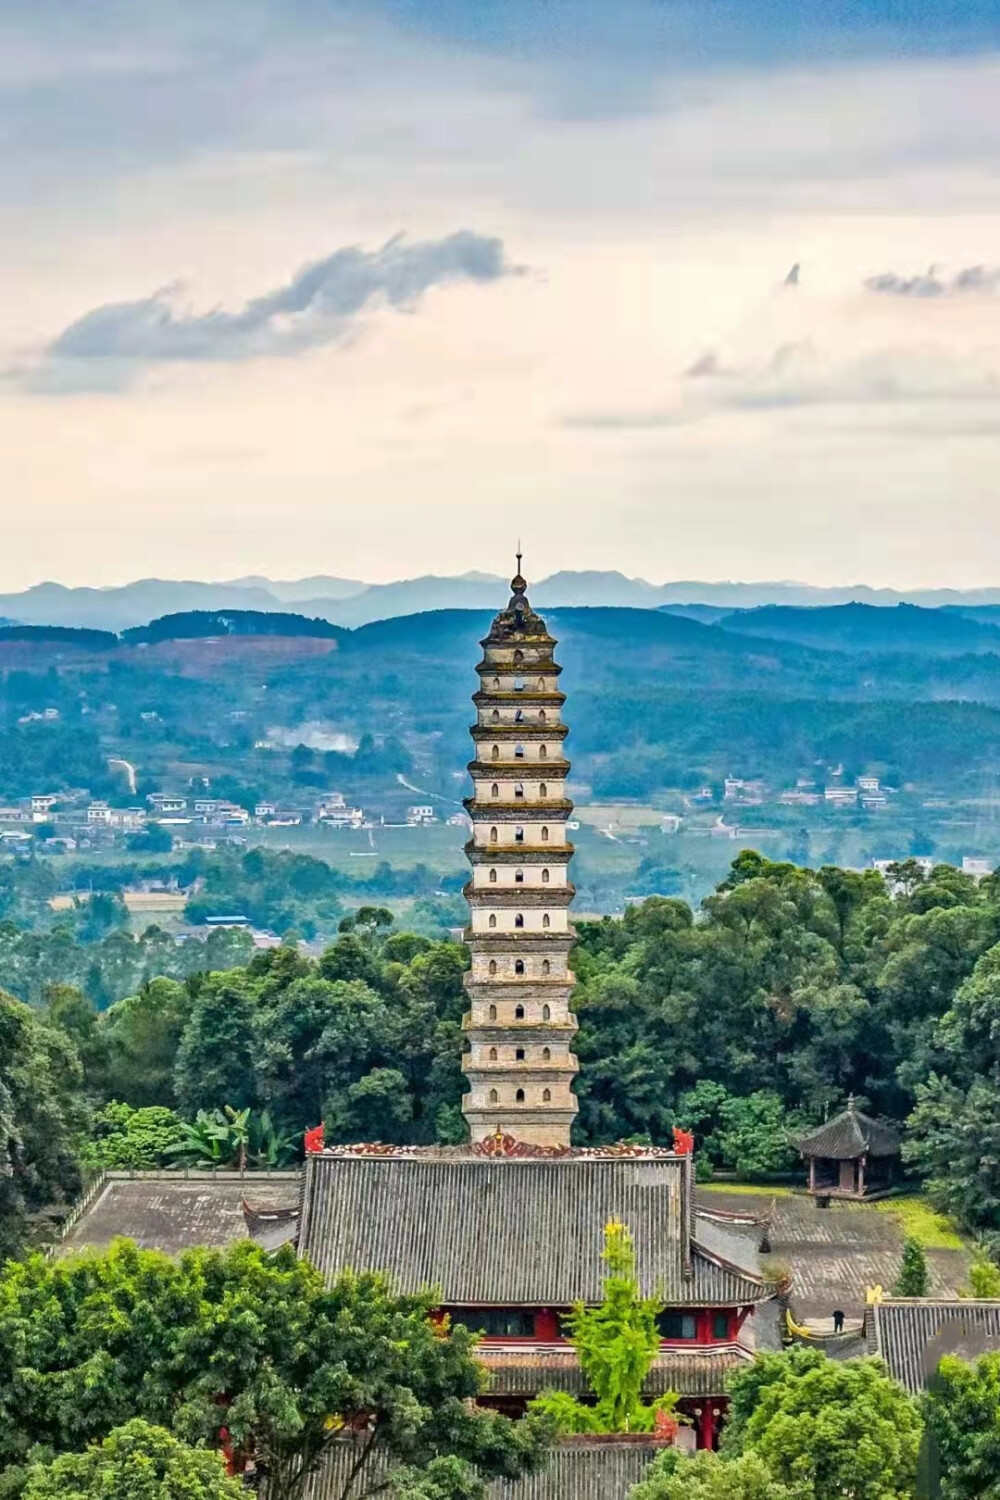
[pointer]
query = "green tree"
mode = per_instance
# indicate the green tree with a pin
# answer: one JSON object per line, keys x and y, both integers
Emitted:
{"x": 142, "y": 1033}
{"x": 984, "y": 1278}
{"x": 616, "y": 1343}
{"x": 953, "y": 1139}
{"x": 962, "y": 1413}
{"x": 253, "y": 1341}
{"x": 706, "y": 1476}
{"x": 843, "y": 1429}
{"x": 42, "y": 1115}
{"x": 134, "y": 1462}
{"x": 216, "y": 1058}
{"x": 122, "y": 1137}
{"x": 913, "y": 1279}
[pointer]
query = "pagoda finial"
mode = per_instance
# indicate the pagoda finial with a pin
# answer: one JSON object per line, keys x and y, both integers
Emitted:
{"x": 518, "y": 584}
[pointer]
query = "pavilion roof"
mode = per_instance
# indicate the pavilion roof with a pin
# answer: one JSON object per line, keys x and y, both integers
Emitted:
{"x": 849, "y": 1135}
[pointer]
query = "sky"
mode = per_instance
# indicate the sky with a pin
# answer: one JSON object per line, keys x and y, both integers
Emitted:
{"x": 691, "y": 290}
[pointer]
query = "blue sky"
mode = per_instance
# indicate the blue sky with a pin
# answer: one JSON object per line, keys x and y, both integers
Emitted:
{"x": 310, "y": 286}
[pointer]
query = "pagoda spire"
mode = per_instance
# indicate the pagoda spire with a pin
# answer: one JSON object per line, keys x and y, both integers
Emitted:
{"x": 519, "y": 1028}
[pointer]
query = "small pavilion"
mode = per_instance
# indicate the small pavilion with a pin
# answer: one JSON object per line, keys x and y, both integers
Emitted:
{"x": 851, "y": 1156}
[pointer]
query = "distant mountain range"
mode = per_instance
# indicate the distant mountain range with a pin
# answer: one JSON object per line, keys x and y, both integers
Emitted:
{"x": 344, "y": 601}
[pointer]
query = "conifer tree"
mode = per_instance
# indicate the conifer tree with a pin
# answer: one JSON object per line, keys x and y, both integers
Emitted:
{"x": 913, "y": 1279}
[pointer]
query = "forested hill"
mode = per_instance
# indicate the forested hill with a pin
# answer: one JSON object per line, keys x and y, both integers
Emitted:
{"x": 866, "y": 627}
{"x": 196, "y": 624}
{"x": 657, "y": 700}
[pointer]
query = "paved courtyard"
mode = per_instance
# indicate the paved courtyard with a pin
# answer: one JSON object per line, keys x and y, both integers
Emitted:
{"x": 834, "y": 1254}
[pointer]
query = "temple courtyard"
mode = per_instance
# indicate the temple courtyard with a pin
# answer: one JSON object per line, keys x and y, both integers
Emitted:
{"x": 835, "y": 1254}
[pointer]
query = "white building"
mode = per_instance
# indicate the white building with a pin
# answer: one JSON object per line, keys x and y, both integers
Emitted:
{"x": 841, "y": 796}
{"x": 421, "y": 813}
{"x": 977, "y": 867}
{"x": 748, "y": 793}
{"x": 336, "y": 814}
{"x": 166, "y": 802}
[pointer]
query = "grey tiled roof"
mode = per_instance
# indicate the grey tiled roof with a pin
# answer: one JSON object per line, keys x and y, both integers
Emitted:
{"x": 517, "y": 1372}
{"x": 581, "y": 1471}
{"x": 912, "y": 1334}
{"x": 849, "y": 1135}
{"x": 513, "y": 1232}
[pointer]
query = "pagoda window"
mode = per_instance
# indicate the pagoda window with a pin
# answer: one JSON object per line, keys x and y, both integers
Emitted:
{"x": 495, "y": 716}
{"x": 493, "y": 965}
{"x": 543, "y": 754}
{"x": 546, "y": 1054}
{"x": 519, "y": 1054}
{"x": 494, "y": 1097}
{"x": 519, "y": 716}
{"x": 493, "y": 835}
{"x": 518, "y": 920}
{"x": 545, "y": 835}
{"x": 677, "y": 1325}
{"x": 720, "y": 1325}
{"x": 545, "y": 919}
{"x": 493, "y": 919}
{"x": 519, "y": 684}
{"x": 493, "y": 1012}
{"x": 518, "y": 1012}
{"x": 493, "y": 1054}
{"x": 546, "y": 1013}
{"x": 546, "y": 966}
{"x": 541, "y": 684}
{"x": 518, "y": 877}
{"x": 541, "y": 716}
{"x": 545, "y": 877}
{"x": 546, "y": 1096}
{"x": 493, "y": 877}
{"x": 518, "y": 752}
{"x": 519, "y": 1097}
{"x": 496, "y": 682}
{"x": 519, "y": 789}
{"x": 519, "y": 966}
{"x": 518, "y": 835}
{"x": 494, "y": 790}
{"x": 519, "y": 656}
{"x": 496, "y": 752}
{"x": 543, "y": 790}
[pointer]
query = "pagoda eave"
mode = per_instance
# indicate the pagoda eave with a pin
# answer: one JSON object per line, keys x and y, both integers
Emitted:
{"x": 525, "y": 732}
{"x": 518, "y": 854}
{"x": 520, "y": 770}
{"x": 554, "y": 811}
{"x": 501, "y": 698}
{"x": 518, "y": 895}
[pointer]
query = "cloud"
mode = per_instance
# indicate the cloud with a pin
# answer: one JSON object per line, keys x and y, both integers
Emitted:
{"x": 932, "y": 284}
{"x": 112, "y": 344}
{"x": 799, "y": 375}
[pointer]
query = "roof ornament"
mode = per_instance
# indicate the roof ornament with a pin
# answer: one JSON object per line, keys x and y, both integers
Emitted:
{"x": 518, "y": 583}
{"x": 850, "y": 1104}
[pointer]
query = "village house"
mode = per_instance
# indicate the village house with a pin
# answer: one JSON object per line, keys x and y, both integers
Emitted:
{"x": 164, "y": 803}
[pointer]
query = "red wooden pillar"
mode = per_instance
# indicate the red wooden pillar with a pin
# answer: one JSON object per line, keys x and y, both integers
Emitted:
{"x": 706, "y": 1428}
{"x": 547, "y": 1330}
